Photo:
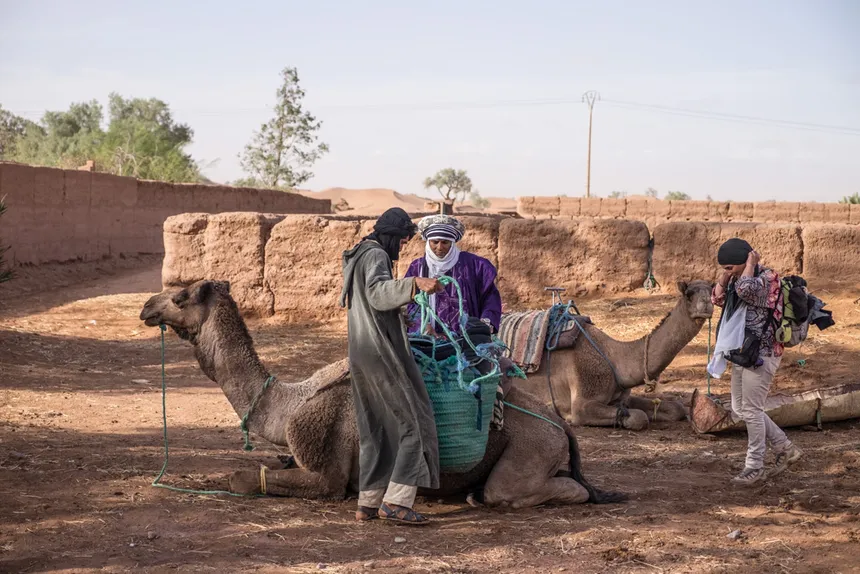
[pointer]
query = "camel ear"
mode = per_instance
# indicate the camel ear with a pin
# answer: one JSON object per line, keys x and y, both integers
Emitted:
{"x": 682, "y": 287}
{"x": 195, "y": 294}
{"x": 222, "y": 286}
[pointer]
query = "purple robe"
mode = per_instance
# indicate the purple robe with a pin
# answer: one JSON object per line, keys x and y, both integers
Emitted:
{"x": 481, "y": 300}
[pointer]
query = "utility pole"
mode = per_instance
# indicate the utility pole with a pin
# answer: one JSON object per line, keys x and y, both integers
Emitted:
{"x": 589, "y": 98}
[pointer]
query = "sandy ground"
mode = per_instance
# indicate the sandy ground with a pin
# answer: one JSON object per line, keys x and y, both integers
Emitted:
{"x": 80, "y": 443}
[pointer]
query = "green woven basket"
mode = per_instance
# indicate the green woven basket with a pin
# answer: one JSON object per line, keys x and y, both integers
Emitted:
{"x": 462, "y": 442}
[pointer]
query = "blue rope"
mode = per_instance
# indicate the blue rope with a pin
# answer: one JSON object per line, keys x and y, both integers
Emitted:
{"x": 559, "y": 316}
{"x": 535, "y": 415}
{"x": 482, "y": 351}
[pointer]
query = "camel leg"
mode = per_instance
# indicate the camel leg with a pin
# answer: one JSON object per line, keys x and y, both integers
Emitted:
{"x": 517, "y": 484}
{"x": 557, "y": 490}
{"x": 596, "y": 414}
{"x": 668, "y": 410}
{"x": 294, "y": 483}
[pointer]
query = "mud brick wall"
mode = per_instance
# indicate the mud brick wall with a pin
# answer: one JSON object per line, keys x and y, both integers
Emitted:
{"x": 584, "y": 256}
{"x": 832, "y": 253}
{"x": 57, "y": 215}
{"x": 290, "y": 266}
{"x": 684, "y": 251}
{"x": 656, "y": 211}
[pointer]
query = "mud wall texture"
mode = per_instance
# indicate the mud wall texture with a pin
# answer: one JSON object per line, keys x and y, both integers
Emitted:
{"x": 56, "y": 215}
{"x": 290, "y": 265}
{"x": 655, "y": 211}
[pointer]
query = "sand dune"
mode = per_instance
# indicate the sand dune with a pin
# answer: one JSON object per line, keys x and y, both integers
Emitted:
{"x": 374, "y": 201}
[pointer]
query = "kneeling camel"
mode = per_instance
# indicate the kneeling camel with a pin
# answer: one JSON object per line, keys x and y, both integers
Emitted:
{"x": 586, "y": 391}
{"x": 529, "y": 462}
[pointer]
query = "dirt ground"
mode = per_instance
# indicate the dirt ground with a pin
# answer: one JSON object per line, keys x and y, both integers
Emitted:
{"x": 81, "y": 441}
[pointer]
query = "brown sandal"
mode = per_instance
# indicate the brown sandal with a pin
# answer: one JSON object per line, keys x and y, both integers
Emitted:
{"x": 401, "y": 515}
{"x": 366, "y": 514}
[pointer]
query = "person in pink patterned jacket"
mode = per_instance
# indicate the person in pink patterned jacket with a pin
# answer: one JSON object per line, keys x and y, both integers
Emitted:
{"x": 746, "y": 283}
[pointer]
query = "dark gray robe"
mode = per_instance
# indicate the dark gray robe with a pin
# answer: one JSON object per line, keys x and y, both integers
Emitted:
{"x": 395, "y": 416}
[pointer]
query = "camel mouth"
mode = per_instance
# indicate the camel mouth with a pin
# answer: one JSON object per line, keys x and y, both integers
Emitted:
{"x": 150, "y": 317}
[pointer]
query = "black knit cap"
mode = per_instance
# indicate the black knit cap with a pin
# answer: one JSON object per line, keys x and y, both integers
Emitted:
{"x": 734, "y": 252}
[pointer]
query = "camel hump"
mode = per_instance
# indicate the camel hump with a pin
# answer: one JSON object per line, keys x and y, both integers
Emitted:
{"x": 331, "y": 375}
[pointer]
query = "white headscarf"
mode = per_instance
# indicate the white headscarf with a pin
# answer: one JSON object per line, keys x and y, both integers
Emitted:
{"x": 446, "y": 228}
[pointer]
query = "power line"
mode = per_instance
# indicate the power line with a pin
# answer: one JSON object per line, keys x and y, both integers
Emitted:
{"x": 734, "y": 117}
{"x": 534, "y": 102}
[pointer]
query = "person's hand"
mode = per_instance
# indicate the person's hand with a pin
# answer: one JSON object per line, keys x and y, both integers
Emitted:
{"x": 724, "y": 279}
{"x": 753, "y": 258}
{"x": 428, "y": 285}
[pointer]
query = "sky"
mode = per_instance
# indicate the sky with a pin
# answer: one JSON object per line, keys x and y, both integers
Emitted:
{"x": 493, "y": 87}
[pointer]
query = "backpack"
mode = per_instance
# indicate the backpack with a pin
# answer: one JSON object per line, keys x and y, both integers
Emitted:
{"x": 794, "y": 327}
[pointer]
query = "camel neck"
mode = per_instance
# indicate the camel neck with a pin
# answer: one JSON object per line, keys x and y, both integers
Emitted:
{"x": 663, "y": 344}
{"x": 232, "y": 362}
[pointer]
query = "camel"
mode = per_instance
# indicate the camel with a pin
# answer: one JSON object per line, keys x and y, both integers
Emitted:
{"x": 584, "y": 388}
{"x": 529, "y": 462}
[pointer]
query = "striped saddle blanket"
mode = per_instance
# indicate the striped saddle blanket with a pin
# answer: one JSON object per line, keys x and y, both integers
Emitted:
{"x": 525, "y": 333}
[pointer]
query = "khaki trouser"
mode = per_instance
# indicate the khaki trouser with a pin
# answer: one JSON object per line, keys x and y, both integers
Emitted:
{"x": 397, "y": 494}
{"x": 749, "y": 393}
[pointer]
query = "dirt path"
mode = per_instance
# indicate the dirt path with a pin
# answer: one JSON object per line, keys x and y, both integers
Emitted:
{"x": 80, "y": 442}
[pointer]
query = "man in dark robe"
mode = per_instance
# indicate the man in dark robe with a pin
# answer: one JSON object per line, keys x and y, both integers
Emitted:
{"x": 398, "y": 446}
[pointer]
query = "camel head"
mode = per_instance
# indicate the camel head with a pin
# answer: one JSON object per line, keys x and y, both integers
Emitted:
{"x": 185, "y": 310}
{"x": 697, "y": 299}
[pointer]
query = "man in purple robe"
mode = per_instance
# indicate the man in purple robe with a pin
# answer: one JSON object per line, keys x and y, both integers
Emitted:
{"x": 475, "y": 275}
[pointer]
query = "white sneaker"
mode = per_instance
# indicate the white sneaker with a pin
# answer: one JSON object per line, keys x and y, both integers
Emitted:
{"x": 785, "y": 459}
{"x": 750, "y": 476}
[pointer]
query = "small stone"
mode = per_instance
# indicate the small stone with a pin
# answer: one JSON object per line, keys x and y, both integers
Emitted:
{"x": 322, "y": 566}
{"x": 370, "y": 565}
{"x": 132, "y": 545}
{"x": 735, "y": 535}
{"x": 400, "y": 540}
{"x": 151, "y": 535}
{"x": 139, "y": 381}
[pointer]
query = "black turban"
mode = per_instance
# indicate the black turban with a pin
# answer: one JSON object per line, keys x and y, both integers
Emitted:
{"x": 390, "y": 228}
{"x": 734, "y": 252}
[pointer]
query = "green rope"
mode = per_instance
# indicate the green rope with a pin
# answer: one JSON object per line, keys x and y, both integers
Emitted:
{"x": 709, "y": 356}
{"x": 157, "y": 482}
{"x": 244, "y": 425}
{"x": 535, "y": 415}
{"x": 427, "y": 314}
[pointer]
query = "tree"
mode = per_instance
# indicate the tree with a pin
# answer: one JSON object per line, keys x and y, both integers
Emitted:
{"x": 617, "y": 195}
{"x": 452, "y": 184}
{"x": 64, "y": 139}
{"x": 651, "y": 192}
{"x": 144, "y": 141}
{"x": 5, "y": 273}
{"x": 280, "y": 154}
{"x": 478, "y": 201}
{"x": 852, "y": 199}
{"x": 12, "y": 129}
{"x": 677, "y": 196}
